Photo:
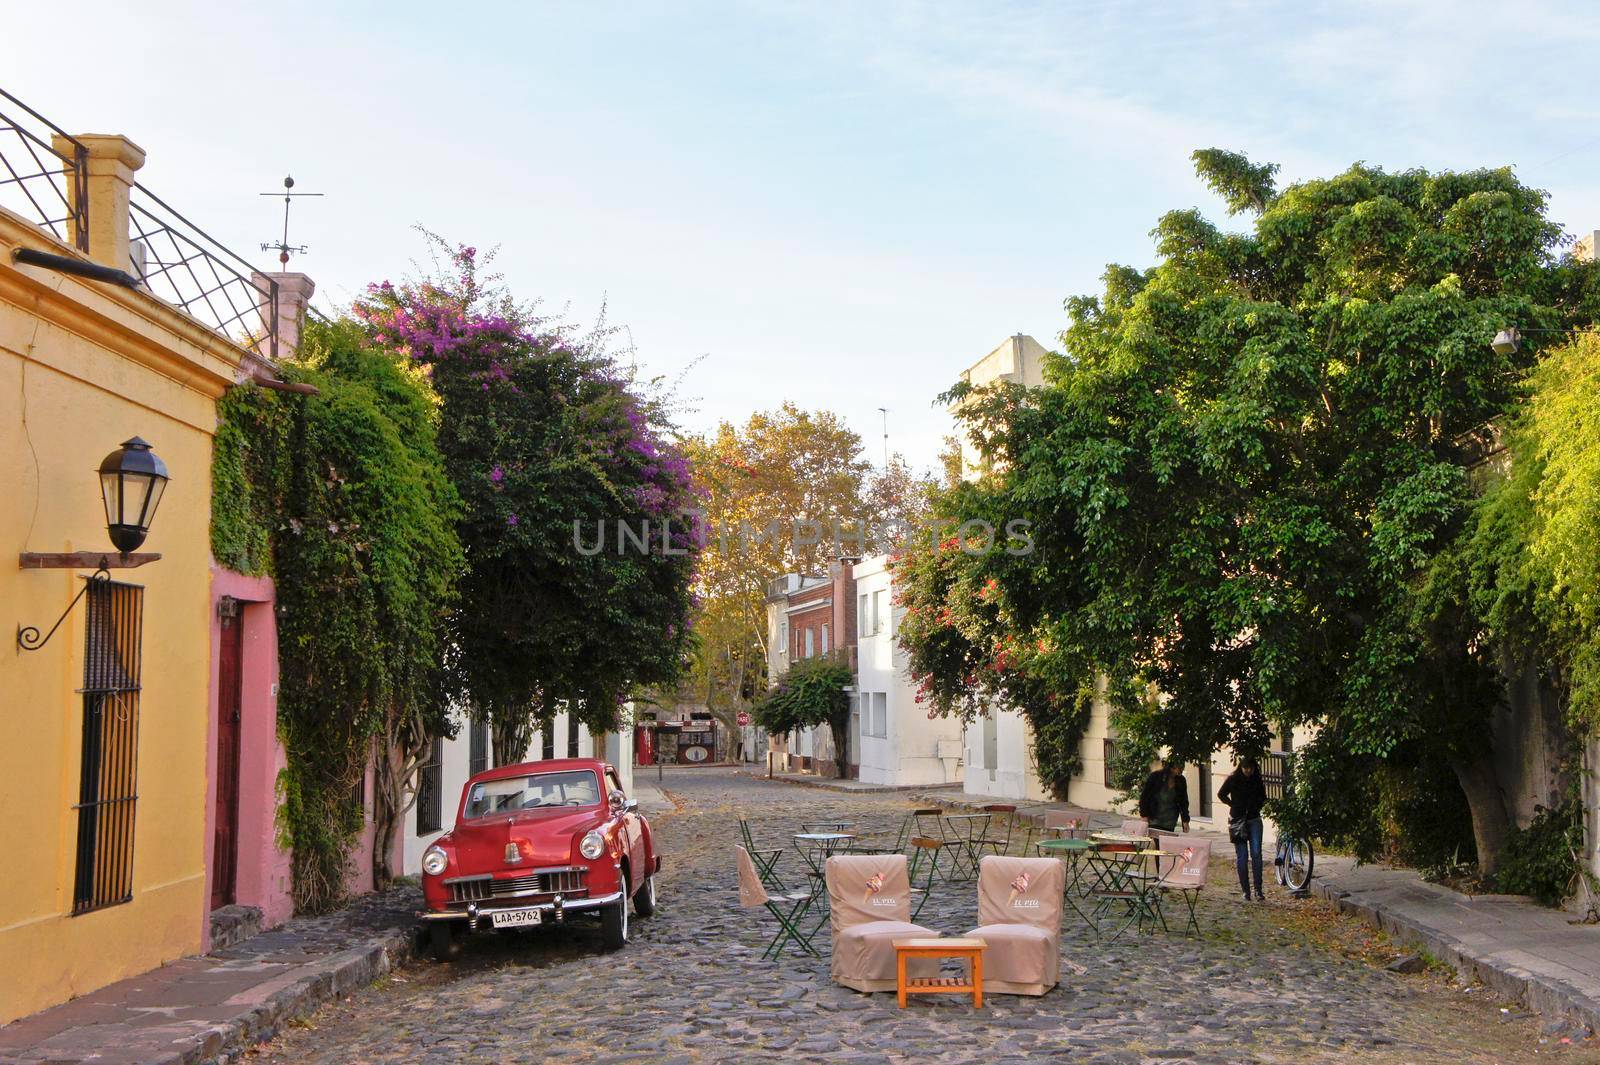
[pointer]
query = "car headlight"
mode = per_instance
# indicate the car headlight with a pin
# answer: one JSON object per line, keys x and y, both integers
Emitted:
{"x": 434, "y": 861}
{"x": 593, "y": 846}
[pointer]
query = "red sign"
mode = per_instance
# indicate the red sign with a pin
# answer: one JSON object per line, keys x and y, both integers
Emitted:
{"x": 743, "y": 718}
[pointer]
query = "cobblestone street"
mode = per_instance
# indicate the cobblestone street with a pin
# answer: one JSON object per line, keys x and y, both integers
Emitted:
{"x": 1265, "y": 983}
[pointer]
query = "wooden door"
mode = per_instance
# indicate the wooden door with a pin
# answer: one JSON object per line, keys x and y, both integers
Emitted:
{"x": 225, "y": 844}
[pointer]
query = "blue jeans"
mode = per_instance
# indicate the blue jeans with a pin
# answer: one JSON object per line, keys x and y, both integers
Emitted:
{"x": 1247, "y": 851}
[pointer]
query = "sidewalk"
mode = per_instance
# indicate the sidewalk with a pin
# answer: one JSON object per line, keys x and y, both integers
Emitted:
{"x": 195, "y": 1009}
{"x": 838, "y": 784}
{"x": 1523, "y": 951}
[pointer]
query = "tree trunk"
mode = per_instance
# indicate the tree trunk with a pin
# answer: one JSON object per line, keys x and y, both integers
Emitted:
{"x": 841, "y": 745}
{"x": 385, "y": 812}
{"x": 511, "y": 731}
{"x": 1490, "y": 823}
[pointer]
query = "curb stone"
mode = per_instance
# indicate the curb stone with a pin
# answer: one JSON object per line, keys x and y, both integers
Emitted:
{"x": 331, "y": 978}
{"x": 1533, "y": 990}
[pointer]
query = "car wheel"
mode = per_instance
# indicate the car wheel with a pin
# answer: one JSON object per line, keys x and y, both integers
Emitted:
{"x": 644, "y": 903}
{"x": 614, "y": 920}
{"x": 442, "y": 940}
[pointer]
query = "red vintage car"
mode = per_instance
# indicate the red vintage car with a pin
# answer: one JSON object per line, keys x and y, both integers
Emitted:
{"x": 538, "y": 843}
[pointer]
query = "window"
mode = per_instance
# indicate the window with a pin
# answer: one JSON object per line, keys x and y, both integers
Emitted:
{"x": 572, "y": 736}
{"x": 547, "y": 749}
{"x": 783, "y": 637}
{"x": 875, "y": 714}
{"x": 107, "y": 791}
{"x": 1109, "y": 753}
{"x": 811, "y": 648}
{"x": 880, "y": 619}
{"x": 577, "y": 787}
{"x": 478, "y": 751}
{"x": 863, "y": 616}
{"x": 824, "y": 639}
{"x": 430, "y": 789}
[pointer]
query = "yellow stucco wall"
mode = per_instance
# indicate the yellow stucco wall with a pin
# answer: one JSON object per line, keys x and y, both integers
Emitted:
{"x": 83, "y": 366}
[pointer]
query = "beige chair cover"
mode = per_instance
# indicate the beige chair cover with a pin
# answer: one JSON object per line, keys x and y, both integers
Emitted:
{"x": 751, "y": 891}
{"x": 870, "y": 899}
{"x": 1063, "y": 819}
{"x": 1019, "y": 907}
{"x": 1189, "y": 869}
{"x": 1135, "y": 826}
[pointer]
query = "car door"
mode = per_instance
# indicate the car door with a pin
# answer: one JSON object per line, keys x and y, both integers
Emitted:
{"x": 632, "y": 831}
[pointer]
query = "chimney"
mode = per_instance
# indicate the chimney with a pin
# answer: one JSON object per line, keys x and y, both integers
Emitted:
{"x": 109, "y": 167}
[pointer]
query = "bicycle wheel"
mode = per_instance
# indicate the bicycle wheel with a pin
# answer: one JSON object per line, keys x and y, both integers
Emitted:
{"x": 1298, "y": 861}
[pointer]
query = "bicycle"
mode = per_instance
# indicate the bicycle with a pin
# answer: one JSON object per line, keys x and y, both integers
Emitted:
{"x": 1293, "y": 862}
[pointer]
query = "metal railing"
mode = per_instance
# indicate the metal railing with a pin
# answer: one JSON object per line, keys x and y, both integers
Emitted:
{"x": 33, "y": 180}
{"x": 185, "y": 266}
{"x": 177, "y": 261}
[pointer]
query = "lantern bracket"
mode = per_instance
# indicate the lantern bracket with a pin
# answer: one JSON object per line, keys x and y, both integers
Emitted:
{"x": 85, "y": 559}
{"x": 28, "y": 638}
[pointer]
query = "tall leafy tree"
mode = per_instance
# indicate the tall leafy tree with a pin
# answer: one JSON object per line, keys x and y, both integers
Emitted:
{"x": 1243, "y": 470}
{"x": 775, "y": 492}
{"x": 576, "y": 588}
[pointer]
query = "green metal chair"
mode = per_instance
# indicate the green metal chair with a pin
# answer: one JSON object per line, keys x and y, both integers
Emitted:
{"x": 788, "y": 910}
{"x": 765, "y": 859}
{"x": 925, "y": 851}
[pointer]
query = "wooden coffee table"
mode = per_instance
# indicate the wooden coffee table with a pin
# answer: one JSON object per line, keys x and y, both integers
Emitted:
{"x": 968, "y": 950}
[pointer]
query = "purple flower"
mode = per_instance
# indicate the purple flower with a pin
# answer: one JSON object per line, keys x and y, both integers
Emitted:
{"x": 512, "y": 521}
{"x": 497, "y": 474}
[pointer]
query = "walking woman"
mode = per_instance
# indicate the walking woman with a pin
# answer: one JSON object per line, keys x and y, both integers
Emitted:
{"x": 1245, "y": 794}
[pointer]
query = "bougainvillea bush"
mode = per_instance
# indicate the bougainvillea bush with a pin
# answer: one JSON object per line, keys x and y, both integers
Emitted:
{"x": 549, "y": 448}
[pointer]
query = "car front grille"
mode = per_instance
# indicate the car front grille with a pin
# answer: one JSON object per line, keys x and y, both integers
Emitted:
{"x": 548, "y": 882}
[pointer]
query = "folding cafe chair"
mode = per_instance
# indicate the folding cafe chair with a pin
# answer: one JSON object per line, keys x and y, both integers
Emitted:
{"x": 1185, "y": 876}
{"x": 997, "y": 839}
{"x": 788, "y": 909}
{"x": 765, "y": 859}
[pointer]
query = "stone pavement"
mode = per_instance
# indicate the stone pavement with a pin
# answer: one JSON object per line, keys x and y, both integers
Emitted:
{"x": 1523, "y": 951}
{"x": 1269, "y": 982}
{"x": 196, "y": 1008}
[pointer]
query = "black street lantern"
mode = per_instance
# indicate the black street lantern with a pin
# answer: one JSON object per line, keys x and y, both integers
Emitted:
{"x": 132, "y": 479}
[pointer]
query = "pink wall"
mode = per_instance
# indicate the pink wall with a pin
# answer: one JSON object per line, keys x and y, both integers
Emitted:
{"x": 263, "y": 878}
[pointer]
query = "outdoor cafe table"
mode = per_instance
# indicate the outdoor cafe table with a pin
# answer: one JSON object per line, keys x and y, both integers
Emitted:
{"x": 1112, "y": 860}
{"x": 825, "y": 826}
{"x": 817, "y": 847}
{"x": 1073, "y": 852}
{"x": 965, "y": 832}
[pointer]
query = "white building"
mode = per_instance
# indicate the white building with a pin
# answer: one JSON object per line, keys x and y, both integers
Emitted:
{"x": 894, "y": 740}
{"x": 454, "y": 760}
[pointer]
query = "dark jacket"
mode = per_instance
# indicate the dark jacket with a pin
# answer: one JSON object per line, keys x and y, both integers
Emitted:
{"x": 1153, "y": 785}
{"x": 1244, "y": 795}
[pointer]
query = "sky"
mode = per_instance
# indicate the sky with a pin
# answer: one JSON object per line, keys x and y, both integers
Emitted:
{"x": 838, "y": 204}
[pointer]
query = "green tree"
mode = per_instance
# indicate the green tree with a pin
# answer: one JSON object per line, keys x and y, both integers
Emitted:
{"x": 774, "y": 492}
{"x": 814, "y": 691}
{"x": 578, "y": 558}
{"x": 342, "y": 497}
{"x": 1242, "y": 475}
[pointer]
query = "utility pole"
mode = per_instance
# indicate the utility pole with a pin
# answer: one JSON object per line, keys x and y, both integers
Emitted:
{"x": 885, "y": 412}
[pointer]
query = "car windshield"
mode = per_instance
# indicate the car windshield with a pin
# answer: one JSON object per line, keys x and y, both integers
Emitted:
{"x": 574, "y": 787}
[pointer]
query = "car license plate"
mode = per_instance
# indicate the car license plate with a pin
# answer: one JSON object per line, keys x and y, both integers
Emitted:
{"x": 516, "y": 918}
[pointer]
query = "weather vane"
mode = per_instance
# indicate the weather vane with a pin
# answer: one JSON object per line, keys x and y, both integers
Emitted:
{"x": 283, "y": 247}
